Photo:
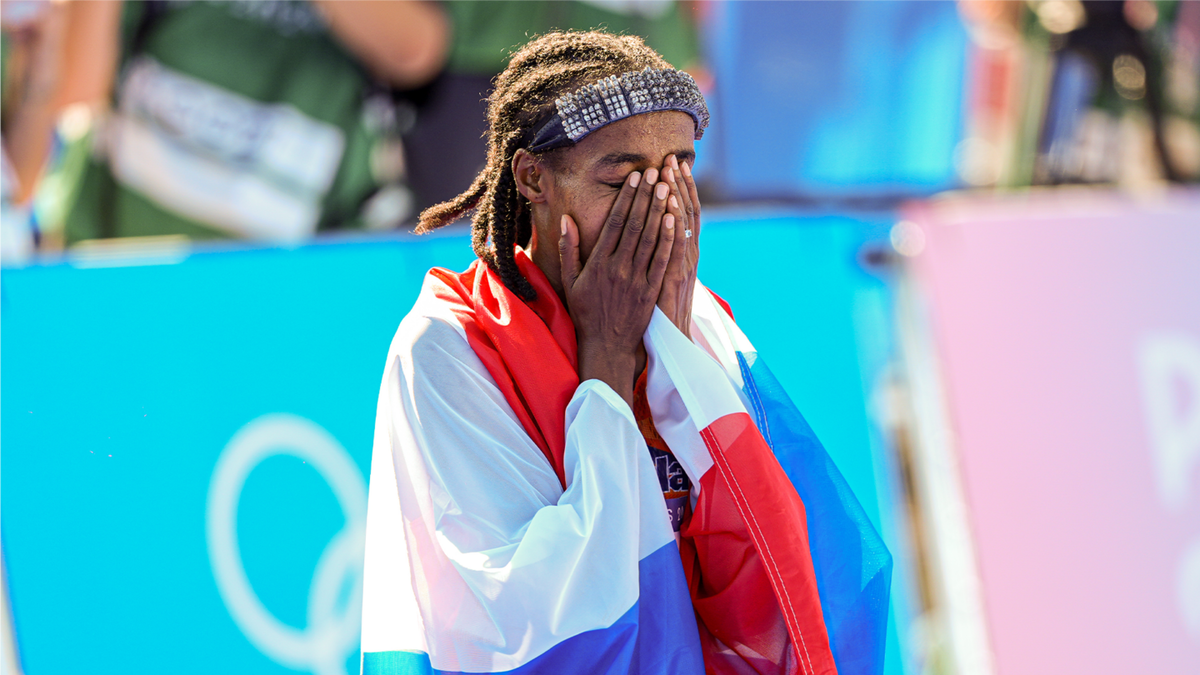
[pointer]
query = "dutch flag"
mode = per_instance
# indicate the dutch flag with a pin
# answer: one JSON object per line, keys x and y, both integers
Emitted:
{"x": 479, "y": 560}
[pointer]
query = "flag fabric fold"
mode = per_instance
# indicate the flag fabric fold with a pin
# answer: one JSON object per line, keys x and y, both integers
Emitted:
{"x": 516, "y": 521}
{"x": 851, "y": 563}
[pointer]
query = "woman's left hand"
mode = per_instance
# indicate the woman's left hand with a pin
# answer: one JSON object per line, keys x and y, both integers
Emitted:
{"x": 675, "y": 298}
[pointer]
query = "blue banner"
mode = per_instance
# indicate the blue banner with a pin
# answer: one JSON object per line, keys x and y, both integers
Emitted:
{"x": 821, "y": 100}
{"x": 186, "y": 438}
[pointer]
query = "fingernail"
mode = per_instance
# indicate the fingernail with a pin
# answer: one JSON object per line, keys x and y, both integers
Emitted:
{"x": 651, "y": 176}
{"x": 687, "y": 170}
{"x": 563, "y": 224}
{"x": 634, "y": 179}
{"x": 668, "y": 175}
{"x": 674, "y": 202}
{"x": 669, "y": 221}
{"x": 661, "y": 191}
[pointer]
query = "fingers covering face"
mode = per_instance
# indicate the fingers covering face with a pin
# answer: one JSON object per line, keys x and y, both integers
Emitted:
{"x": 636, "y": 223}
{"x": 653, "y": 231}
{"x": 568, "y": 251}
{"x": 683, "y": 254}
{"x": 634, "y": 234}
{"x": 690, "y": 183}
{"x": 684, "y": 189}
{"x": 662, "y": 253}
{"x": 614, "y": 225}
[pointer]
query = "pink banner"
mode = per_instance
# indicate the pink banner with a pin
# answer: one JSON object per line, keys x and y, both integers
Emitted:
{"x": 1068, "y": 331}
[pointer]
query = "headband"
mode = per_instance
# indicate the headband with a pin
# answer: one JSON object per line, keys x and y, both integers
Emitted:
{"x": 617, "y": 97}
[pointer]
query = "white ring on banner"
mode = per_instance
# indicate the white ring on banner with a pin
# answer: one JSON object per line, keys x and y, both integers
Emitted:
{"x": 328, "y": 639}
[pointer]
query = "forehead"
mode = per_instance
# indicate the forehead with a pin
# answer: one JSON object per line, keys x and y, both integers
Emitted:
{"x": 646, "y": 138}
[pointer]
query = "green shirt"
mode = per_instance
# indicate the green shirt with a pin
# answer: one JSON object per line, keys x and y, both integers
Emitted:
{"x": 239, "y": 119}
{"x": 486, "y": 33}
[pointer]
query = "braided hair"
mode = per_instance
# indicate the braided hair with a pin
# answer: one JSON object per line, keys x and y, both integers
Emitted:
{"x": 523, "y": 97}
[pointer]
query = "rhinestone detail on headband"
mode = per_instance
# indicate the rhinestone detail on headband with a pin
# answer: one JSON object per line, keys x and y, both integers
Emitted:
{"x": 619, "y": 96}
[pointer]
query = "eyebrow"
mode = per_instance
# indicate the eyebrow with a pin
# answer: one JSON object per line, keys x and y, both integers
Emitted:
{"x": 688, "y": 156}
{"x": 619, "y": 158}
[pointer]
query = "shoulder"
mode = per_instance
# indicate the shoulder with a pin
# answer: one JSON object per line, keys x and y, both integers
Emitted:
{"x": 443, "y": 409}
{"x": 431, "y": 337}
{"x": 433, "y": 366}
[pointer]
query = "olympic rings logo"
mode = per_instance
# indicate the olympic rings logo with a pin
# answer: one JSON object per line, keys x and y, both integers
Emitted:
{"x": 331, "y": 634}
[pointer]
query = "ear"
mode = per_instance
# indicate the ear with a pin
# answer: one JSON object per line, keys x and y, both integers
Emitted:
{"x": 529, "y": 174}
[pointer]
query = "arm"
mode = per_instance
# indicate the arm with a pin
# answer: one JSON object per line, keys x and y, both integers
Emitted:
{"x": 509, "y": 565}
{"x": 92, "y": 48}
{"x": 30, "y": 117}
{"x": 403, "y": 43}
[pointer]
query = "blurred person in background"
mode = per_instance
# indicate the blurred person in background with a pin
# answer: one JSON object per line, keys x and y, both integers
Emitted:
{"x": 445, "y": 149}
{"x": 31, "y": 71}
{"x": 257, "y": 119}
{"x": 1107, "y": 67}
{"x": 1068, "y": 92}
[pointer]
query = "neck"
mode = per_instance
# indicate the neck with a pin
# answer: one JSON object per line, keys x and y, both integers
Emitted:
{"x": 543, "y": 251}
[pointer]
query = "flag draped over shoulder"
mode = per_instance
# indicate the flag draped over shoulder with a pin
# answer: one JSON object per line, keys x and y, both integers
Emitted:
{"x": 515, "y": 522}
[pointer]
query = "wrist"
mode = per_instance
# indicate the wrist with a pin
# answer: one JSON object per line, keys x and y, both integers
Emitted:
{"x": 612, "y": 366}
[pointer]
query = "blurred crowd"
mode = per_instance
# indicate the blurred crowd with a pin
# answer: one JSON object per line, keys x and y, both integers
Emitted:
{"x": 1064, "y": 91}
{"x": 280, "y": 119}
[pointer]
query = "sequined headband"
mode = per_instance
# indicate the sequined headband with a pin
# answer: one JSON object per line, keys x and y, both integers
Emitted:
{"x": 617, "y": 97}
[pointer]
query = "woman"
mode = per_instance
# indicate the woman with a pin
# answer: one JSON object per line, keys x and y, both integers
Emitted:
{"x": 566, "y": 475}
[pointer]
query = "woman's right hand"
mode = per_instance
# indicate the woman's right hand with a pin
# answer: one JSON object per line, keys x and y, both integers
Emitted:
{"x": 611, "y": 298}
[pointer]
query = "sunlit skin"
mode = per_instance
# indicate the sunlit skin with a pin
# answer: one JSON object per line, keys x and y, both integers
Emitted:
{"x": 611, "y": 240}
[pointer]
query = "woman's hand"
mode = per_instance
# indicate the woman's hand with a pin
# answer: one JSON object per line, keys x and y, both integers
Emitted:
{"x": 611, "y": 298}
{"x": 675, "y": 298}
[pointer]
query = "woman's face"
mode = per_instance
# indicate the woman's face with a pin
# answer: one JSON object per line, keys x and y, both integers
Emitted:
{"x": 584, "y": 180}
